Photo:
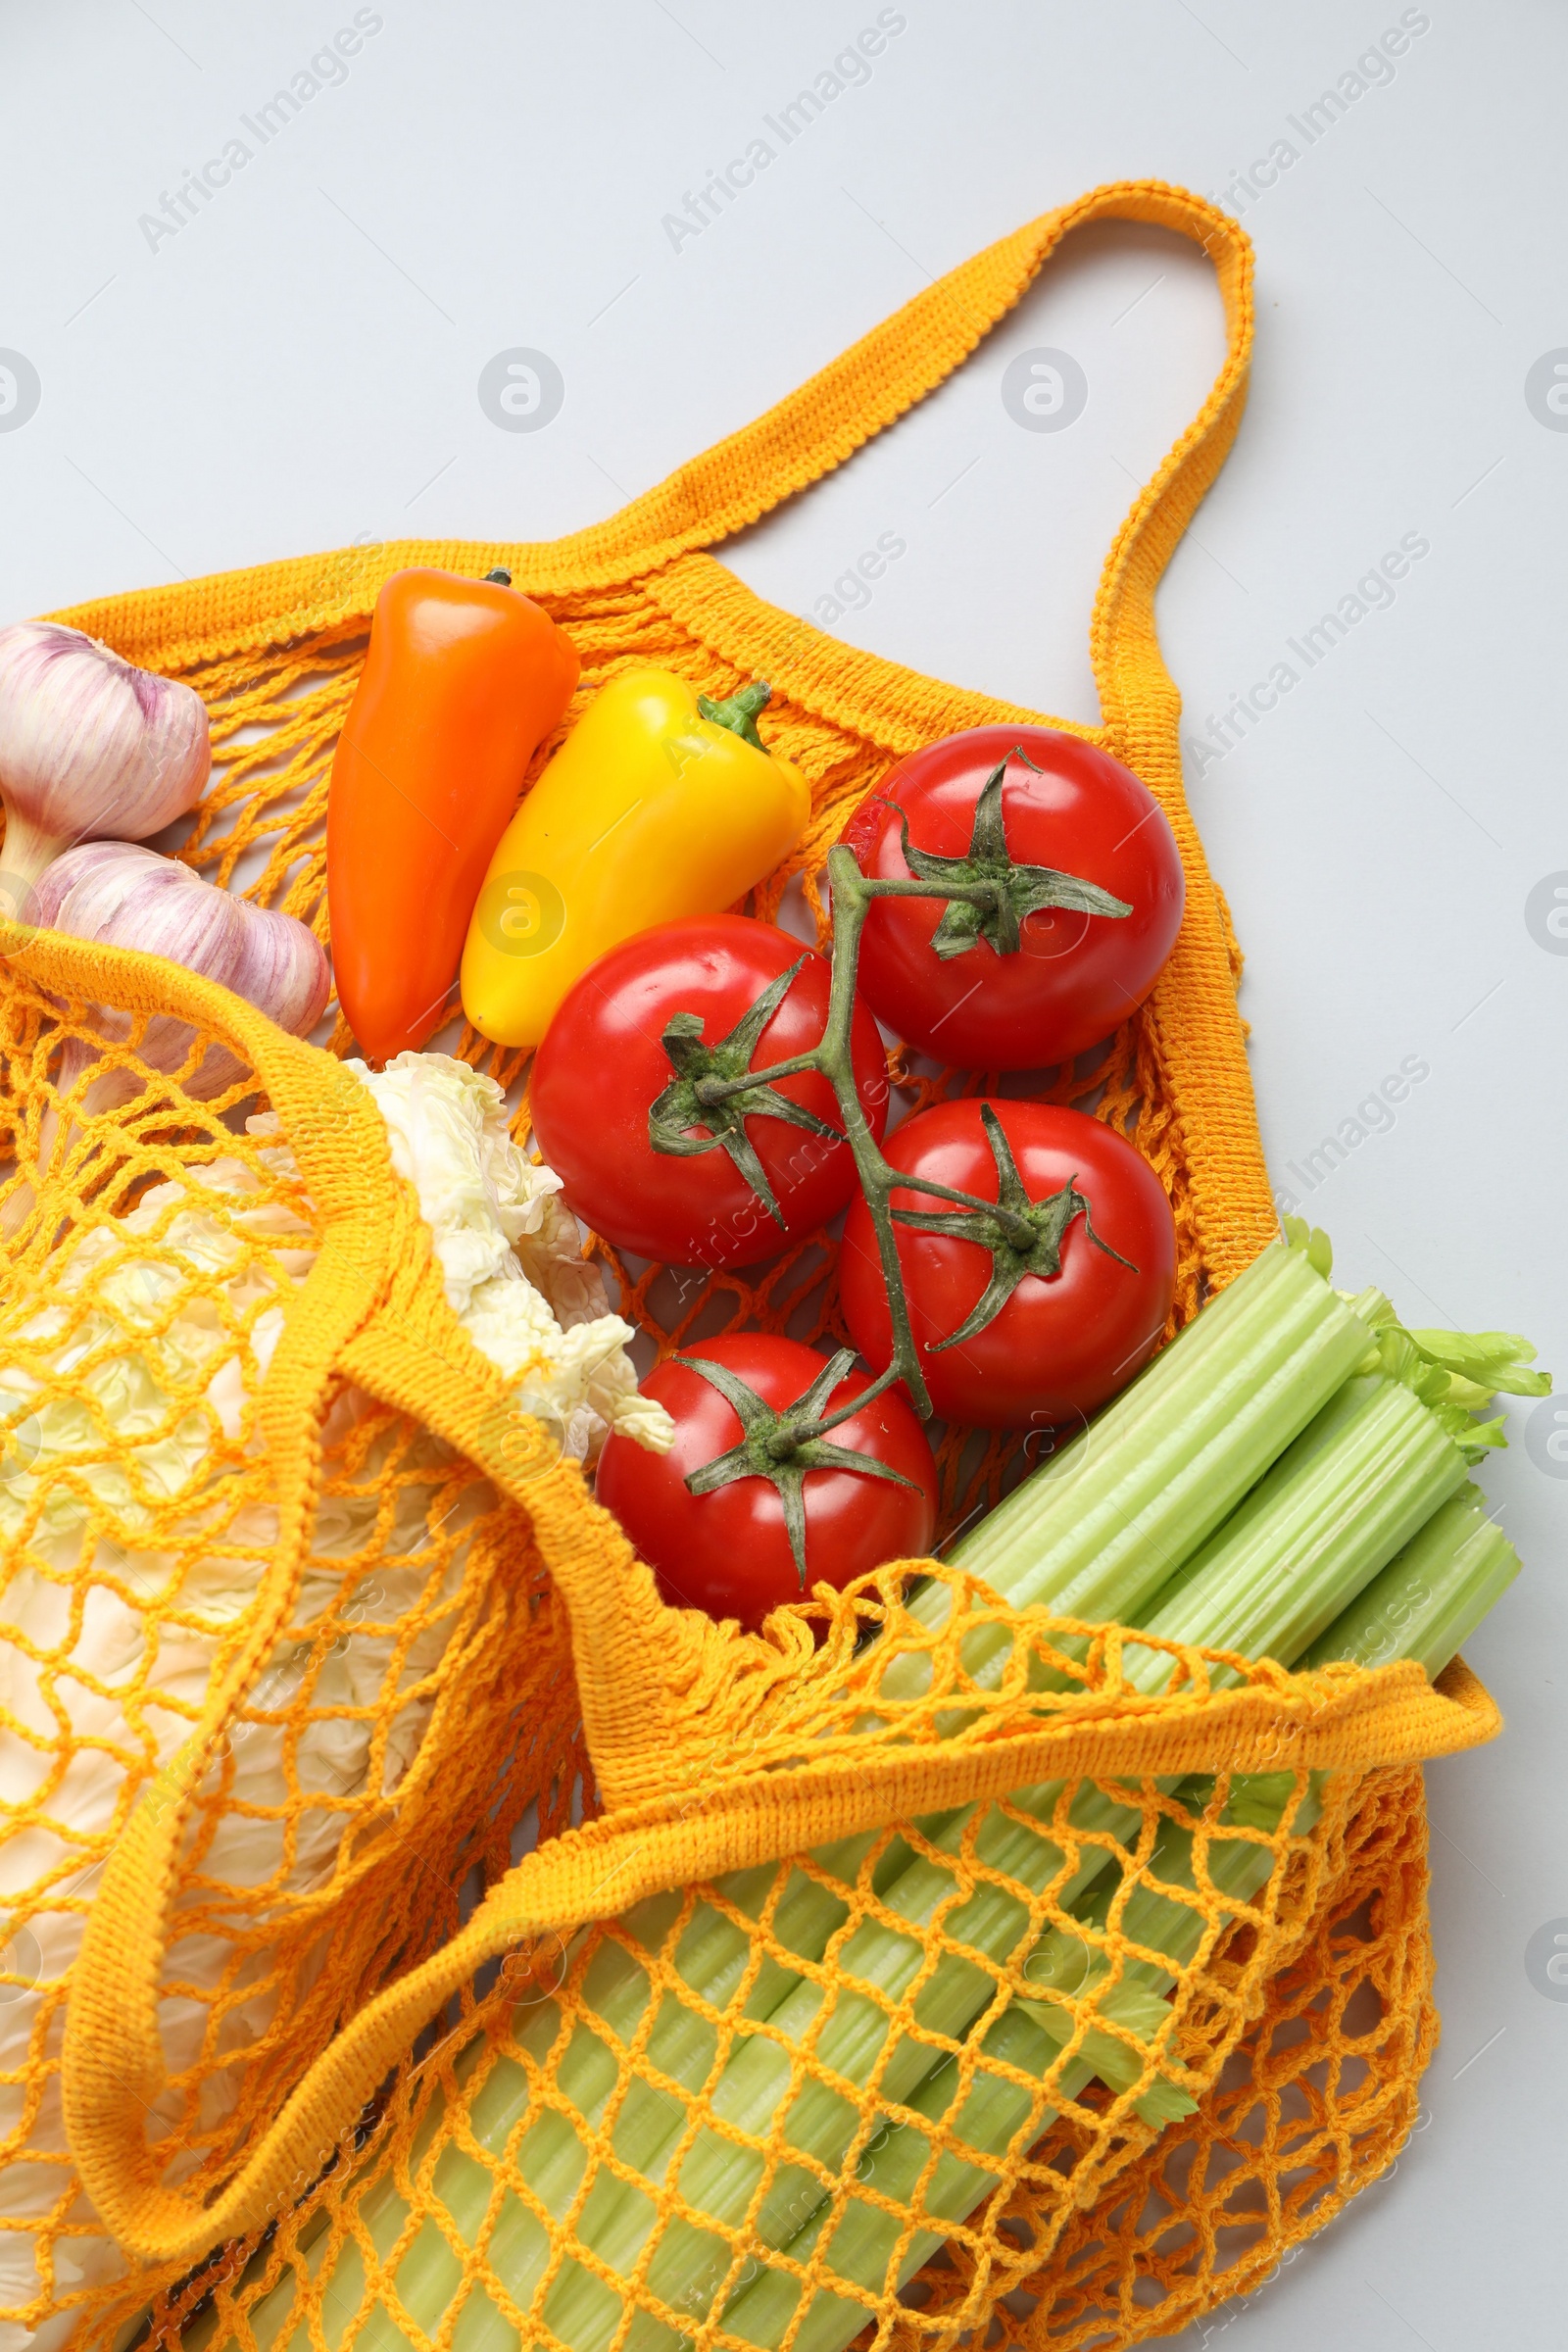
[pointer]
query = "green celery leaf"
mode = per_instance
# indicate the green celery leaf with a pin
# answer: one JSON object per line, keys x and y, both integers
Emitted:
{"x": 1492, "y": 1359}
{"x": 1312, "y": 1242}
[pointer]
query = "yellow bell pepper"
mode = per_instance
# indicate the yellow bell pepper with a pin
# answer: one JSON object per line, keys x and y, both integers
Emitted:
{"x": 658, "y": 804}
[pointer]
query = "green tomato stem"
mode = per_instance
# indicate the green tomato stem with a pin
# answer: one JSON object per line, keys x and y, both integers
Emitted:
{"x": 998, "y": 1222}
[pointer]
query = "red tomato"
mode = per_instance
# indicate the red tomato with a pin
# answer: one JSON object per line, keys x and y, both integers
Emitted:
{"x": 1063, "y": 1343}
{"x": 1074, "y": 975}
{"x": 728, "y": 1551}
{"x": 602, "y": 1067}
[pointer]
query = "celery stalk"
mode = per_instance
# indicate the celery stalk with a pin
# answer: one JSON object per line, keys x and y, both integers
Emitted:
{"x": 1422, "y": 1606}
{"x": 990, "y": 2117}
{"x": 1355, "y": 1486}
{"x": 719, "y": 2179}
{"x": 1427, "y": 1602}
{"x": 712, "y": 1955}
{"x": 1368, "y": 1471}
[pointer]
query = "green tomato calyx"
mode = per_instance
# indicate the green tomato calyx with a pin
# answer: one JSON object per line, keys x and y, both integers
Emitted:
{"x": 782, "y": 1447}
{"x": 1024, "y": 1236}
{"x": 999, "y": 894}
{"x": 713, "y": 1088}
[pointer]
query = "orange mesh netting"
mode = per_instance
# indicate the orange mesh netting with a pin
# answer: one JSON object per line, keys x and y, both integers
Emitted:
{"x": 284, "y": 1564}
{"x": 746, "y": 2092}
{"x": 385, "y": 1654}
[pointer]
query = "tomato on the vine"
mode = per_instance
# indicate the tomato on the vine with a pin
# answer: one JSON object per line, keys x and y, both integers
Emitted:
{"x": 1086, "y": 896}
{"x": 623, "y": 1070}
{"x": 769, "y": 1525}
{"x": 1037, "y": 1314}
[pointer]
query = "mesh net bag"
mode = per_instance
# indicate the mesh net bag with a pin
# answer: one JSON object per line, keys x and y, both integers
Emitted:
{"x": 308, "y": 2058}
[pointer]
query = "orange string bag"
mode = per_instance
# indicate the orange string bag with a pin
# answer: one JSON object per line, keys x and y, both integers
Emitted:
{"x": 353, "y": 2153}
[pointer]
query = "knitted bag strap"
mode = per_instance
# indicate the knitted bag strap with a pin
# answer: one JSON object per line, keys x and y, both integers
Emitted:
{"x": 881, "y": 377}
{"x": 113, "y": 2072}
{"x": 744, "y": 476}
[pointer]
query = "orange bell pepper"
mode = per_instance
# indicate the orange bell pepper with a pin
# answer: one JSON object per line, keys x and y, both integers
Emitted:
{"x": 463, "y": 681}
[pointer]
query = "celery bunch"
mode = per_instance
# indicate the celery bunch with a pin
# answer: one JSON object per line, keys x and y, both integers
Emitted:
{"x": 1427, "y": 1601}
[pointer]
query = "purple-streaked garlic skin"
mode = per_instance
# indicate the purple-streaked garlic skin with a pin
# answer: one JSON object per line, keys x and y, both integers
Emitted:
{"x": 119, "y": 895}
{"x": 91, "y": 746}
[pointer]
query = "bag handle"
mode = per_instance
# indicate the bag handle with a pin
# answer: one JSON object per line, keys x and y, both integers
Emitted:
{"x": 883, "y": 376}
{"x": 778, "y": 454}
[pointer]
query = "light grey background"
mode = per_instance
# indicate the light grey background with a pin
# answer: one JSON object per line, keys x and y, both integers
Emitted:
{"x": 298, "y": 366}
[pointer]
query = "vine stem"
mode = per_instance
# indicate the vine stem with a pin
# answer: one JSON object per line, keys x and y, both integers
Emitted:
{"x": 833, "y": 1059}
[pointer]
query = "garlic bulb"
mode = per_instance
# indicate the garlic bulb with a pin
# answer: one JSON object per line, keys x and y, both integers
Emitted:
{"x": 123, "y": 897}
{"x": 89, "y": 746}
